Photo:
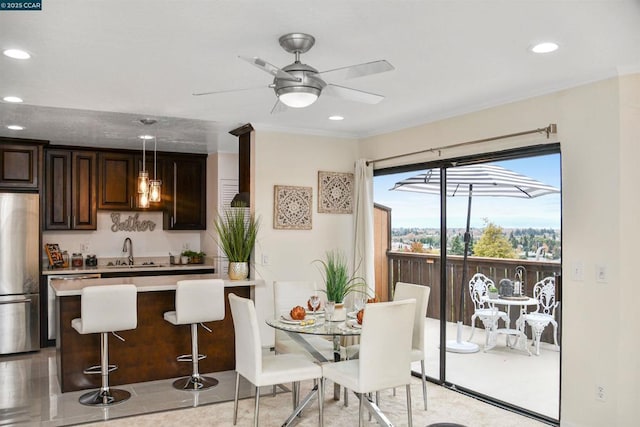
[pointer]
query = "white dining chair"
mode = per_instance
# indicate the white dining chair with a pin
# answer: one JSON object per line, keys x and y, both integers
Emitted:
{"x": 268, "y": 370}
{"x": 478, "y": 289}
{"x": 545, "y": 292}
{"x": 385, "y": 356}
{"x": 421, "y": 294}
{"x": 286, "y": 295}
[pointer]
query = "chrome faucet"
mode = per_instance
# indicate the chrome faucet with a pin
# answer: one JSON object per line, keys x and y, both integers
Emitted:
{"x": 130, "y": 249}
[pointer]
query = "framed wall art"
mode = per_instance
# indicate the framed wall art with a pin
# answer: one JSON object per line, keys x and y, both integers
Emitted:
{"x": 335, "y": 192}
{"x": 292, "y": 207}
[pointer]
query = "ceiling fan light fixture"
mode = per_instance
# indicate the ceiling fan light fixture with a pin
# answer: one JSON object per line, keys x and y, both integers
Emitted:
{"x": 298, "y": 98}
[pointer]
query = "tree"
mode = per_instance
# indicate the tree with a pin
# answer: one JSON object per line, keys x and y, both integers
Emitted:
{"x": 457, "y": 246}
{"x": 493, "y": 243}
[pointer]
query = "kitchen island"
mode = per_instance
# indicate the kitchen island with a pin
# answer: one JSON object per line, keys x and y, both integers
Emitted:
{"x": 149, "y": 352}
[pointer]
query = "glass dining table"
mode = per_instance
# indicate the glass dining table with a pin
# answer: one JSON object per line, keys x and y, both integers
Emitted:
{"x": 318, "y": 326}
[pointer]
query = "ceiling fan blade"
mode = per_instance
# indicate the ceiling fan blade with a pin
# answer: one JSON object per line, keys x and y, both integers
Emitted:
{"x": 359, "y": 70}
{"x": 270, "y": 68}
{"x": 352, "y": 94}
{"x": 278, "y": 107}
{"x": 228, "y": 90}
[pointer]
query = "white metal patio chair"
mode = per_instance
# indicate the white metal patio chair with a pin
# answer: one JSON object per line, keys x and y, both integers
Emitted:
{"x": 545, "y": 292}
{"x": 488, "y": 315}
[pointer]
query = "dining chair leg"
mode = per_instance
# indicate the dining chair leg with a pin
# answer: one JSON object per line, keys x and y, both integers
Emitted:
{"x": 294, "y": 392}
{"x": 257, "y": 408}
{"x": 321, "y": 401}
{"x": 235, "y": 400}
{"x": 360, "y": 408}
{"x": 424, "y": 384}
{"x": 409, "y": 414}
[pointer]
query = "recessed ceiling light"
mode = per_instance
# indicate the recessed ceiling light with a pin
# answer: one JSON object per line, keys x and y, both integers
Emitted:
{"x": 146, "y": 137}
{"x": 12, "y": 99}
{"x": 16, "y": 54}
{"x": 15, "y": 127}
{"x": 336, "y": 118}
{"x": 544, "y": 47}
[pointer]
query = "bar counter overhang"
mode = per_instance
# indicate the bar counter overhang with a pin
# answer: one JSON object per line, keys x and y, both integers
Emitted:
{"x": 149, "y": 352}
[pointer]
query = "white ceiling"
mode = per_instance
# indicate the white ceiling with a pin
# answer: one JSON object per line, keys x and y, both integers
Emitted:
{"x": 99, "y": 66}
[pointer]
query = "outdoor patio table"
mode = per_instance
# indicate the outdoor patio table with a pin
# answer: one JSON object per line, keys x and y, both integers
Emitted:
{"x": 523, "y": 302}
{"x": 336, "y": 330}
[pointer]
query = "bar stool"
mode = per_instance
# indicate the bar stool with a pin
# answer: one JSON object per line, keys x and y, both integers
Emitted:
{"x": 105, "y": 309}
{"x": 197, "y": 301}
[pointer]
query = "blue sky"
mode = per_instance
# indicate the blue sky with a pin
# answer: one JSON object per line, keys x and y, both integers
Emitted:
{"x": 423, "y": 210}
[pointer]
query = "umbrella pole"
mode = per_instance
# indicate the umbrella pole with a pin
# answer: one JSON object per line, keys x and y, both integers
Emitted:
{"x": 459, "y": 346}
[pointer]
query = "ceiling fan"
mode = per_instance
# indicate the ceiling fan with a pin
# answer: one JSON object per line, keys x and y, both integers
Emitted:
{"x": 299, "y": 85}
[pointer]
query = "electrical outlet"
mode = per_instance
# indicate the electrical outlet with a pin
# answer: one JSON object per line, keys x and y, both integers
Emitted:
{"x": 601, "y": 274}
{"x": 600, "y": 393}
{"x": 84, "y": 247}
{"x": 265, "y": 259}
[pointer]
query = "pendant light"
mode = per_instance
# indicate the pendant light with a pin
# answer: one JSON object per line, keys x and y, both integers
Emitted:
{"x": 155, "y": 185}
{"x": 144, "y": 185}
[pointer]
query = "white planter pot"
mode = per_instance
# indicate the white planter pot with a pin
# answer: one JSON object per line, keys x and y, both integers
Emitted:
{"x": 238, "y": 270}
{"x": 340, "y": 313}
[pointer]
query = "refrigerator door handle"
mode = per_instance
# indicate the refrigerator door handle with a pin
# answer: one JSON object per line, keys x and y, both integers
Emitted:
{"x": 17, "y": 301}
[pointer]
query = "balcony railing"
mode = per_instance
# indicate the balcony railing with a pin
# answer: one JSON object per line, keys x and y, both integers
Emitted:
{"x": 424, "y": 269}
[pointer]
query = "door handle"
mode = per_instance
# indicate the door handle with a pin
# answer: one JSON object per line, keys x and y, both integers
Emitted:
{"x": 17, "y": 301}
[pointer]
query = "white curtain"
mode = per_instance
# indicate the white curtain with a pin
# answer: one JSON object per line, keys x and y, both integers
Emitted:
{"x": 363, "y": 248}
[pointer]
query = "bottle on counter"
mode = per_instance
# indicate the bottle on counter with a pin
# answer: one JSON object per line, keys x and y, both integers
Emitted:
{"x": 65, "y": 259}
{"x": 76, "y": 260}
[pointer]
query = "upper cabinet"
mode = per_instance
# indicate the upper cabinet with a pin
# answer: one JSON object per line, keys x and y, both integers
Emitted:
{"x": 18, "y": 165}
{"x": 70, "y": 190}
{"x": 117, "y": 189}
{"x": 185, "y": 192}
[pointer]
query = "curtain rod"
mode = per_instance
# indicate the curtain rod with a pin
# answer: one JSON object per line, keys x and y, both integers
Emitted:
{"x": 551, "y": 129}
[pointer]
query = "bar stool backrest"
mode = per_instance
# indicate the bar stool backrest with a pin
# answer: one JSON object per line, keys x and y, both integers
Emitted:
{"x": 199, "y": 301}
{"x": 108, "y": 308}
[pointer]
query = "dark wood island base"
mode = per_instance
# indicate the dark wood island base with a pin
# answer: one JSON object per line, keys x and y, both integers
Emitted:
{"x": 149, "y": 352}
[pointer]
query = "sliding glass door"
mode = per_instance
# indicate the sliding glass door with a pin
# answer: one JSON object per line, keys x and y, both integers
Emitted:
{"x": 510, "y": 232}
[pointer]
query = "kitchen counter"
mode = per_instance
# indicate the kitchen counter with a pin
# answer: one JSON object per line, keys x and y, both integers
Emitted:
{"x": 150, "y": 350}
{"x": 65, "y": 288}
{"x": 126, "y": 269}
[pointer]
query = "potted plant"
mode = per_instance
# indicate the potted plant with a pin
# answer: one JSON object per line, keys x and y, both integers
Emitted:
{"x": 338, "y": 282}
{"x": 493, "y": 292}
{"x": 194, "y": 257}
{"x": 237, "y": 231}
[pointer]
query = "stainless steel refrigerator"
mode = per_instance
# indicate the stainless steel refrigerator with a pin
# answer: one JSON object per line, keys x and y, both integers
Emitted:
{"x": 19, "y": 273}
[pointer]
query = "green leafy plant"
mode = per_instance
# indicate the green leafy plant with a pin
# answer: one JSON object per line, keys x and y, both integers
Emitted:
{"x": 237, "y": 232}
{"x": 493, "y": 289}
{"x": 193, "y": 254}
{"x": 339, "y": 283}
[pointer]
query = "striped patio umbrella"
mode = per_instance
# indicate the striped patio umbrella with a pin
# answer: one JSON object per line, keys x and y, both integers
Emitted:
{"x": 474, "y": 180}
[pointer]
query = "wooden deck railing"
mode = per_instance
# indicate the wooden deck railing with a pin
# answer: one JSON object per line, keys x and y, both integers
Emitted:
{"x": 424, "y": 269}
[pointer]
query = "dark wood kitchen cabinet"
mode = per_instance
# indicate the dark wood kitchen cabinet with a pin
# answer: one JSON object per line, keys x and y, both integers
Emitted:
{"x": 117, "y": 187}
{"x": 185, "y": 192}
{"x": 70, "y": 190}
{"x": 18, "y": 165}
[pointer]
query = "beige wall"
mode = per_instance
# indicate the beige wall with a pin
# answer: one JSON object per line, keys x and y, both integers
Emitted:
{"x": 598, "y": 128}
{"x": 285, "y": 159}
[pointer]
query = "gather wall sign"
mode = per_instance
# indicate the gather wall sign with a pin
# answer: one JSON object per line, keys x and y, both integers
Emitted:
{"x": 132, "y": 223}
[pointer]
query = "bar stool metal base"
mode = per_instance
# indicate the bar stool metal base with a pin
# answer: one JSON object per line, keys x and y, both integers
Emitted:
{"x": 101, "y": 397}
{"x": 194, "y": 383}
